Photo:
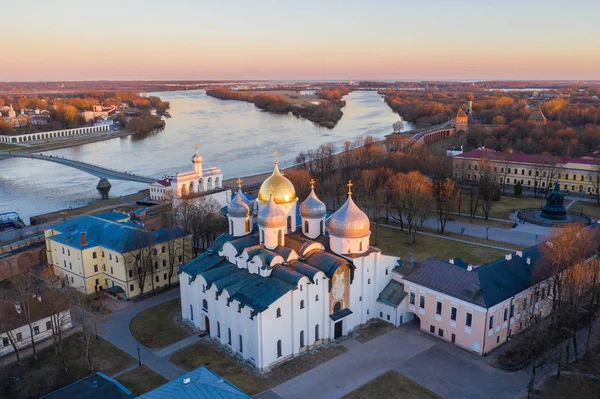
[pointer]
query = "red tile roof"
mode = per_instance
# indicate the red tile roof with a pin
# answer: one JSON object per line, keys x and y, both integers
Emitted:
{"x": 51, "y": 303}
{"x": 164, "y": 182}
{"x": 592, "y": 159}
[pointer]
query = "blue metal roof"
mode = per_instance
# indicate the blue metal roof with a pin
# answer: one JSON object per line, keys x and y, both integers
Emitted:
{"x": 119, "y": 237}
{"x": 203, "y": 384}
{"x": 113, "y": 216}
{"x": 95, "y": 386}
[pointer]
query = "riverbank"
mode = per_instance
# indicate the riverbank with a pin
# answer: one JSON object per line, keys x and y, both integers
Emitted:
{"x": 70, "y": 142}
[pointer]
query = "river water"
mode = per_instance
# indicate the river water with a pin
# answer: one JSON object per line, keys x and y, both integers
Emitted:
{"x": 233, "y": 135}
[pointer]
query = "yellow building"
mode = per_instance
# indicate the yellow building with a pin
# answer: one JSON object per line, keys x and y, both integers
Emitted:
{"x": 575, "y": 174}
{"x": 108, "y": 252}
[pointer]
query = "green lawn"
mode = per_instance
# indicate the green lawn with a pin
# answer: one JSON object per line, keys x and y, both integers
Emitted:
{"x": 5, "y": 146}
{"x": 141, "y": 380}
{"x": 36, "y": 378}
{"x": 395, "y": 242}
{"x": 155, "y": 328}
{"x": 392, "y": 385}
{"x": 204, "y": 354}
{"x": 501, "y": 209}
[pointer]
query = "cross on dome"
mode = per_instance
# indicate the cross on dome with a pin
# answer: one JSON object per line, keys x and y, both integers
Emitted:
{"x": 239, "y": 182}
{"x": 312, "y": 183}
{"x": 349, "y": 187}
{"x": 276, "y": 156}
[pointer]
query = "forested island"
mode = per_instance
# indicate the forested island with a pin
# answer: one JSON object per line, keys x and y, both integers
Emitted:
{"x": 324, "y": 108}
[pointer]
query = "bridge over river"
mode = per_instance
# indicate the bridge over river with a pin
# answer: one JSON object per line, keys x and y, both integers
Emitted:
{"x": 95, "y": 170}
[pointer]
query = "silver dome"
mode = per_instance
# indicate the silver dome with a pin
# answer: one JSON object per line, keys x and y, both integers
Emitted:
{"x": 312, "y": 207}
{"x": 270, "y": 215}
{"x": 349, "y": 221}
{"x": 238, "y": 207}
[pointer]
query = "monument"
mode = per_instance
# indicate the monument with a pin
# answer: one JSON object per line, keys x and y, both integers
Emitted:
{"x": 554, "y": 209}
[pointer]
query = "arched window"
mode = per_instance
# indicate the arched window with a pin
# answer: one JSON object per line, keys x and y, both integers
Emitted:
{"x": 205, "y": 304}
{"x": 191, "y": 313}
{"x": 241, "y": 345}
{"x": 278, "y": 313}
{"x": 302, "y": 304}
{"x": 280, "y": 237}
{"x": 322, "y": 227}
{"x": 247, "y": 224}
{"x": 279, "y": 348}
{"x": 218, "y": 330}
{"x": 317, "y": 298}
{"x": 231, "y": 226}
{"x": 262, "y": 236}
{"x": 94, "y": 255}
{"x": 229, "y": 336}
{"x": 360, "y": 246}
{"x": 337, "y": 307}
{"x": 289, "y": 224}
{"x": 317, "y": 332}
{"x": 302, "y": 338}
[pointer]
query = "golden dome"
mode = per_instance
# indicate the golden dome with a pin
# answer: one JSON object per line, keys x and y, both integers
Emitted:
{"x": 283, "y": 189}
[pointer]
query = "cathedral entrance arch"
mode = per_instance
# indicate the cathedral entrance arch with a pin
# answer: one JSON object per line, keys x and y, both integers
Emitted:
{"x": 207, "y": 324}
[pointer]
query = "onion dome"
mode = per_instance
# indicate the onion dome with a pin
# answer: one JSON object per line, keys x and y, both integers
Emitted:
{"x": 270, "y": 215}
{"x": 349, "y": 221}
{"x": 312, "y": 207}
{"x": 238, "y": 207}
{"x": 196, "y": 158}
{"x": 283, "y": 189}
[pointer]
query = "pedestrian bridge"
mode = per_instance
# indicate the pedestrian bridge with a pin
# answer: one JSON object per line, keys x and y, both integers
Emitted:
{"x": 96, "y": 170}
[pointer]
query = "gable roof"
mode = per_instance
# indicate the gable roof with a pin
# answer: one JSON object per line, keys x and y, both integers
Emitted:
{"x": 51, "y": 303}
{"x": 203, "y": 384}
{"x": 392, "y": 294}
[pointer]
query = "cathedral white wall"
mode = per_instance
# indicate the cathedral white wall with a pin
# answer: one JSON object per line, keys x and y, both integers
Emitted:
{"x": 237, "y": 226}
{"x": 270, "y": 236}
{"x": 344, "y": 246}
{"x": 314, "y": 227}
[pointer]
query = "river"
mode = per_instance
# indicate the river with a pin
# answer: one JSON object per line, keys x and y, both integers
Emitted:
{"x": 233, "y": 135}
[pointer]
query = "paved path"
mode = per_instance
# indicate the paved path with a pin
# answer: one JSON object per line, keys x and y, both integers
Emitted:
{"x": 115, "y": 329}
{"x": 445, "y": 369}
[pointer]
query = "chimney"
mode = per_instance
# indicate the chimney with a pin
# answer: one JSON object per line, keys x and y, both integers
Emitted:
{"x": 83, "y": 239}
{"x": 470, "y": 268}
{"x": 186, "y": 381}
{"x": 529, "y": 260}
{"x": 520, "y": 254}
{"x": 18, "y": 307}
{"x": 508, "y": 256}
{"x": 451, "y": 261}
{"x": 39, "y": 298}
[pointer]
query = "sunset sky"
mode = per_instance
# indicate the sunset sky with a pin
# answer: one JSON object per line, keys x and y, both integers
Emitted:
{"x": 326, "y": 39}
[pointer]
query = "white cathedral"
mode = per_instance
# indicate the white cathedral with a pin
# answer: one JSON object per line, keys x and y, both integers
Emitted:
{"x": 281, "y": 281}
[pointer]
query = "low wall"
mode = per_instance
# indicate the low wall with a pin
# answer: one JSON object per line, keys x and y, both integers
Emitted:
{"x": 22, "y": 138}
{"x": 22, "y": 260}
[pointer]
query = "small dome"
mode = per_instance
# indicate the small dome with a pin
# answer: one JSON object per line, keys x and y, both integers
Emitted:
{"x": 349, "y": 221}
{"x": 196, "y": 158}
{"x": 238, "y": 207}
{"x": 283, "y": 189}
{"x": 312, "y": 207}
{"x": 270, "y": 215}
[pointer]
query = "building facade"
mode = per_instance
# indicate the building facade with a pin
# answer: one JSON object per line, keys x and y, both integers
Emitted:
{"x": 108, "y": 252}
{"x": 579, "y": 175}
{"x": 47, "y": 319}
{"x": 283, "y": 280}
{"x": 196, "y": 183}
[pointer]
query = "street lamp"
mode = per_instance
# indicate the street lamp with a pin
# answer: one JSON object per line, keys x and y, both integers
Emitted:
{"x": 487, "y": 233}
{"x": 139, "y": 358}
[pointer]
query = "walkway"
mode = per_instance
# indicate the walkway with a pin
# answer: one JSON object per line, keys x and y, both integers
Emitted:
{"x": 96, "y": 170}
{"x": 440, "y": 367}
{"x": 115, "y": 329}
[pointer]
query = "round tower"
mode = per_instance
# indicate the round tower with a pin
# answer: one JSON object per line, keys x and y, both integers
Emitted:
{"x": 197, "y": 161}
{"x": 313, "y": 212}
{"x": 271, "y": 224}
{"x": 349, "y": 228}
{"x": 239, "y": 213}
